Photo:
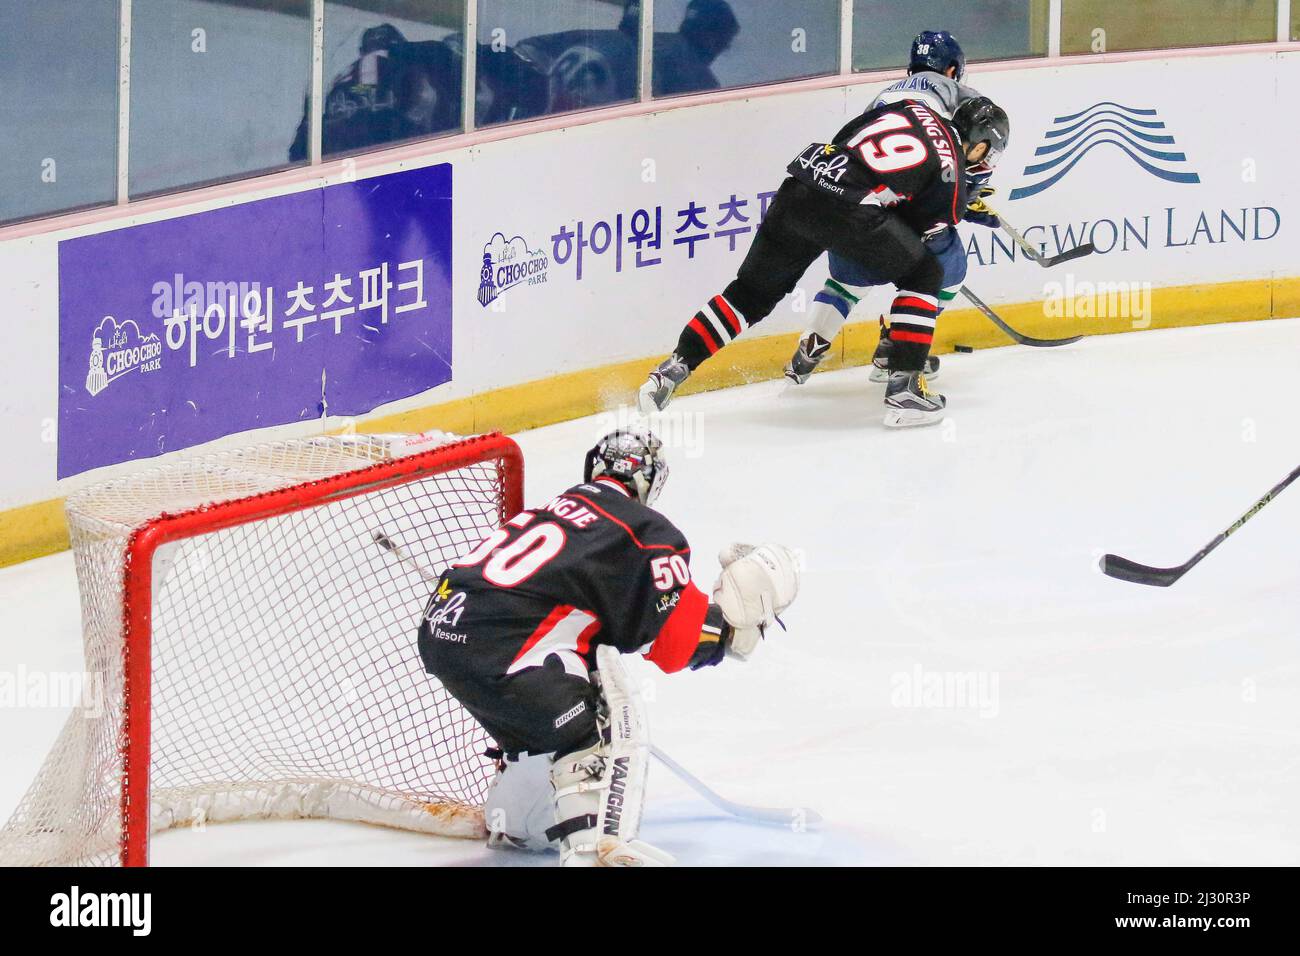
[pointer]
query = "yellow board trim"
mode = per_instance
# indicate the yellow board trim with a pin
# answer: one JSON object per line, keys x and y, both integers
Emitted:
{"x": 32, "y": 531}
{"x": 35, "y": 530}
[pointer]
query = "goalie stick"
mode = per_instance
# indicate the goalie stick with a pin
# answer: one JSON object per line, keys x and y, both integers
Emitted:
{"x": 1019, "y": 338}
{"x": 1078, "y": 252}
{"x": 395, "y": 549}
{"x": 1126, "y": 570}
{"x": 767, "y": 815}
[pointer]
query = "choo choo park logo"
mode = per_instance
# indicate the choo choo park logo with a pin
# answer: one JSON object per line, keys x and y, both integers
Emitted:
{"x": 118, "y": 349}
{"x": 506, "y": 264}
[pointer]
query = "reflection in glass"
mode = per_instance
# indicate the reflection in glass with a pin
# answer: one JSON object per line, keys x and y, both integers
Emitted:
{"x": 217, "y": 88}
{"x": 392, "y": 73}
{"x": 714, "y": 44}
{"x": 535, "y": 59}
{"x": 58, "y": 117}
{"x": 1109, "y": 26}
{"x": 989, "y": 30}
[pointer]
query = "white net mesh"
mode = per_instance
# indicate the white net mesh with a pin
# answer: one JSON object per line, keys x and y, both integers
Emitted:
{"x": 286, "y": 681}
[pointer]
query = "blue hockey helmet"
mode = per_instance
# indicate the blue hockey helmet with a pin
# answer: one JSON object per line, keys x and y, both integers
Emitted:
{"x": 936, "y": 50}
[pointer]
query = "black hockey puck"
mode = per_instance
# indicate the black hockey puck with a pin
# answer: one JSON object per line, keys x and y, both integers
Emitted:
{"x": 962, "y": 348}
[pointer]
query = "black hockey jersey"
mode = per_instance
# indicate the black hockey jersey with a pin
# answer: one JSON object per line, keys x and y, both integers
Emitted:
{"x": 592, "y": 566}
{"x": 903, "y": 156}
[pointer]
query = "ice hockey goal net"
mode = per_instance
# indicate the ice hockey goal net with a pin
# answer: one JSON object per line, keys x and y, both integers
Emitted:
{"x": 257, "y": 649}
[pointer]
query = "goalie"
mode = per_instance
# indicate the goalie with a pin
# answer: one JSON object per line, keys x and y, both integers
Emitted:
{"x": 526, "y": 631}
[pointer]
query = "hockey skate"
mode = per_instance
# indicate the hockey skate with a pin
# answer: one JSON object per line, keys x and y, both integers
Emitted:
{"x": 880, "y": 361}
{"x": 658, "y": 389}
{"x": 908, "y": 401}
{"x": 812, "y": 349}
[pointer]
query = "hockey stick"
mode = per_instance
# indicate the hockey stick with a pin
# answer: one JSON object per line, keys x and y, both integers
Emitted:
{"x": 1021, "y": 339}
{"x": 768, "y": 815}
{"x": 754, "y": 814}
{"x": 1078, "y": 252}
{"x": 1126, "y": 570}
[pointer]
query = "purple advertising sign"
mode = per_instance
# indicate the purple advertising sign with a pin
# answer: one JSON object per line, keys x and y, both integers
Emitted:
{"x": 332, "y": 301}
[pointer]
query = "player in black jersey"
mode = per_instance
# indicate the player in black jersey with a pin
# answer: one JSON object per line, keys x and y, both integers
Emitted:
{"x": 526, "y": 631}
{"x": 935, "y": 76}
{"x": 890, "y": 172}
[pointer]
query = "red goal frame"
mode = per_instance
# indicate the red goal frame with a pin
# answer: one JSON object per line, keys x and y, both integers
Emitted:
{"x": 137, "y": 610}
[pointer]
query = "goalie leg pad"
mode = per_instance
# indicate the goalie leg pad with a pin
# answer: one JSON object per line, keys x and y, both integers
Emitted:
{"x": 578, "y": 781}
{"x": 600, "y": 792}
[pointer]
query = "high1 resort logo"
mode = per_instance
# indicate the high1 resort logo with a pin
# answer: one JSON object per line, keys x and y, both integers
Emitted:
{"x": 119, "y": 349}
{"x": 1138, "y": 133}
{"x": 506, "y": 264}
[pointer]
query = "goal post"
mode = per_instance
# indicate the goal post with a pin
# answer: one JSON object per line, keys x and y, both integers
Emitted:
{"x": 256, "y": 647}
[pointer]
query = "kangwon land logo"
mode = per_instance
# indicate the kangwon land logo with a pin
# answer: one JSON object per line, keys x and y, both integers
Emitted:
{"x": 506, "y": 264}
{"x": 118, "y": 349}
{"x": 1138, "y": 133}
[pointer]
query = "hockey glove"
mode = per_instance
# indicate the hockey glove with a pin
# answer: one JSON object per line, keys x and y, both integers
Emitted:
{"x": 756, "y": 584}
{"x": 977, "y": 177}
{"x": 978, "y": 211}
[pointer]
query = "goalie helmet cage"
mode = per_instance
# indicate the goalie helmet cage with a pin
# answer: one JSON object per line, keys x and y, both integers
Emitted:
{"x": 252, "y": 650}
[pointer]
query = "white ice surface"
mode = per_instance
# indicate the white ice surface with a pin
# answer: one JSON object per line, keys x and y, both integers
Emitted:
{"x": 1130, "y": 725}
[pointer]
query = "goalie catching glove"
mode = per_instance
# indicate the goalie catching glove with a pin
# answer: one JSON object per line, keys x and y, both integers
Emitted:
{"x": 756, "y": 585}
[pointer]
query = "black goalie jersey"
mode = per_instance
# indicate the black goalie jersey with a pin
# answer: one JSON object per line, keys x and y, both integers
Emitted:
{"x": 898, "y": 155}
{"x": 592, "y": 566}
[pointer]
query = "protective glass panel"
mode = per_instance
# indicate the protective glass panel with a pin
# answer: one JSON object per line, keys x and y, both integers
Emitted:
{"x": 392, "y": 72}
{"x": 989, "y": 30}
{"x": 1109, "y": 26}
{"x": 535, "y": 59}
{"x": 217, "y": 89}
{"x": 714, "y": 44}
{"x": 58, "y": 117}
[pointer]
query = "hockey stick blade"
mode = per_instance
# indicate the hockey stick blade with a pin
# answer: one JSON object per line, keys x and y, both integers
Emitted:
{"x": 1125, "y": 570}
{"x": 1018, "y": 337}
{"x": 1078, "y": 252}
{"x": 790, "y": 817}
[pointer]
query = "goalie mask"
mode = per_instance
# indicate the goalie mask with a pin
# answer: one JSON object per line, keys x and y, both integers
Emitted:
{"x": 634, "y": 458}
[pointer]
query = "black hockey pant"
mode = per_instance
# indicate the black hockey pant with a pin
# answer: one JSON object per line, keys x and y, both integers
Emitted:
{"x": 537, "y": 710}
{"x": 800, "y": 225}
